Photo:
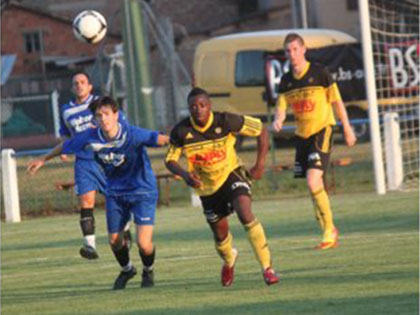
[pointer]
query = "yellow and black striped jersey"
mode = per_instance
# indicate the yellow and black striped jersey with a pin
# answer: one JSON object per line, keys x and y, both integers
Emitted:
{"x": 210, "y": 150}
{"x": 311, "y": 97}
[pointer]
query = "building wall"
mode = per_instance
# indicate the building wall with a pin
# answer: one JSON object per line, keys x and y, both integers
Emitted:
{"x": 58, "y": 39}
{"x": 334, "y": 14}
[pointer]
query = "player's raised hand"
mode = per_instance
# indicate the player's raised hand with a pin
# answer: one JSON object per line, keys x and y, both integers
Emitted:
{"x": 193, "y": 180}
{"x": 34, "y": 166}
{"x": 256, "y": 172}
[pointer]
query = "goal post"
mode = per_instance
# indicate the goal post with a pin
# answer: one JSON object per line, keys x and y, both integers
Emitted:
{"x": 371, "y": 96}
{"x": 390, "y": 37}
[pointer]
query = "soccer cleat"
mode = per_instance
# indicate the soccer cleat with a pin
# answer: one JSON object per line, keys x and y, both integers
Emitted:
{"x": 270, "y": 276}
{"x": 147, "y": 280}
{"x": 228, "y": 272}
{"x": 330, "y": 242}
{"x": 128, "y": 238}
{"x": 88, "y": 252}
{"x": 123, "y": 278}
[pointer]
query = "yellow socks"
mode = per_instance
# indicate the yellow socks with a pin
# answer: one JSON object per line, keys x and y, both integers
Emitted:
{"x": 323, "y": 210}
{"x": 225, "y": 250}
{"x": 258, "y": 241}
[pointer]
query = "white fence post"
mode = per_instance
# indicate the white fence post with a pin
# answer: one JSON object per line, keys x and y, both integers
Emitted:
{"x": 393, "y": 151}
{"x": 10, "y": 185}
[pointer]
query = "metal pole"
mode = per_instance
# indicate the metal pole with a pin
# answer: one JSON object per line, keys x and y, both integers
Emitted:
{"x": 141, "y": 63}
{"x": 372, "y": 100}
{"x": 132, "y": 94}
{"x": 303, "y": 14}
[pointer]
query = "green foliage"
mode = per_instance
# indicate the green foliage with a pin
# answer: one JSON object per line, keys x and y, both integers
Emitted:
{"x": 374, "y": 271}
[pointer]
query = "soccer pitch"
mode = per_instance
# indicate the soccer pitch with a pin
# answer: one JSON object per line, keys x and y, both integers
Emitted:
{"x": 375, "y": 270}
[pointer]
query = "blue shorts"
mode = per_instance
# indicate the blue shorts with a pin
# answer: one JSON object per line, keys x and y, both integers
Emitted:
{"x": 88, "y": 176}
{"x": 119, "y": 209}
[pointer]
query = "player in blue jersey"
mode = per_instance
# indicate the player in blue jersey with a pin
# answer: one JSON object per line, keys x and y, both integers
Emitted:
{"x": 120, "y": 149}
{"x": 75, "y": 117}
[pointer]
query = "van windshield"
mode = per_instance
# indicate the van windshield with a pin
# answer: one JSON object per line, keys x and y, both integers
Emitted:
{"x": 249, "y": 68}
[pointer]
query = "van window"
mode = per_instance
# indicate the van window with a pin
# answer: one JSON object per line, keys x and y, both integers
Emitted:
{"x": 214, "y": 69}
{"x": 249, "y": 68}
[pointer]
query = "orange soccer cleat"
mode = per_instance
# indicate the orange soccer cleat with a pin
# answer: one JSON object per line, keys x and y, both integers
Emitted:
{"x": 228, "y": 271}
{"x": 330, "y": 241}
{"x": 270, "y": 276}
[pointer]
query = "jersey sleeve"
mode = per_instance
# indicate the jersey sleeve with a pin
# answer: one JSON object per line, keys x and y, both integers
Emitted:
{"x": 175, "y": 147}
{"x": 145, "y": 136}
{"x": 281, "y": 100}
{"x": 243, "y": 124}
{"x": 252, "y": 127}
{"x": 64, "y": 130}
{"x": 76, "y": 144}
{"x": 333, "y": 93}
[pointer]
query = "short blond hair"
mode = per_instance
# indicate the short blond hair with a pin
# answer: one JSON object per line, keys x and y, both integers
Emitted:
{"x": 292, "y": 37}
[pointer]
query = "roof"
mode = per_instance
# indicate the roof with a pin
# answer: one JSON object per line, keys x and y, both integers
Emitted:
{"x": 7, "y": 62}
{"x": 314, "y": 38}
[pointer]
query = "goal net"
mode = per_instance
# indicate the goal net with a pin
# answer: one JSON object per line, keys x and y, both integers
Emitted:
{"x": 395, "y": 40}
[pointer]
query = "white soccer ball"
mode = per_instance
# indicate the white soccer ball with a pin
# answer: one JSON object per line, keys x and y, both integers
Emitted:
{"x": 89, "y": 26}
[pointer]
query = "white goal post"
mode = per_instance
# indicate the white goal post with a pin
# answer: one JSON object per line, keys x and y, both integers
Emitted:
{"x": 390, "y": 38}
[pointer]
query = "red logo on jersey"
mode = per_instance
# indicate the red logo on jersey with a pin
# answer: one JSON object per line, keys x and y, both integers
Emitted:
{"x": 208, "y": 158}
{"x": 303, "y": 106}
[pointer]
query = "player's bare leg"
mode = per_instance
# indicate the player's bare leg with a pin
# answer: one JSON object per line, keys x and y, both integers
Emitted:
{"x": 121, "y": 253}
{"x": 314, "y": 178}
{"x": 223, "y": 243}
{"x": 256, "y": 236}
{"x": 87, "y": 225}
{"x": 147, "y": 252}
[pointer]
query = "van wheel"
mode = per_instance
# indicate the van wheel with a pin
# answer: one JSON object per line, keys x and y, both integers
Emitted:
{"x": 361, "y": 129}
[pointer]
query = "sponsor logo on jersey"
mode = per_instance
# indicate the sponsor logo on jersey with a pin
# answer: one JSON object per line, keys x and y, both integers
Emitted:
{"x": 208, "y": 158}
{"x": 218, "y": 130}
{"x": 81, "y": 123}
{"x": 144, "y": 219}
{"x": 112, "y": 158}
{"x": 189, "y": 136}
{"x": 302, "y": 106}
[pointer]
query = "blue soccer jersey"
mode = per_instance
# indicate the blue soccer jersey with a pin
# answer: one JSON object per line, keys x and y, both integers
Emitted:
{"x": 76, "y": 118}
{"x": 124, "y": 159}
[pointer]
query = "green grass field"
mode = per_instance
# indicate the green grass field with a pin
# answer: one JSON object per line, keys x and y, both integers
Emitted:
{"x": 374, "y": 271}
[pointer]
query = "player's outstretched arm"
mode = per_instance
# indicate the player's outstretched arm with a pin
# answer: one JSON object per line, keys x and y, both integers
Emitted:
{"x": 262, "y": 149}
{"x": 162, "y": 140}
{"x": 35, "y": 165}
{"x": 192, "y": 180}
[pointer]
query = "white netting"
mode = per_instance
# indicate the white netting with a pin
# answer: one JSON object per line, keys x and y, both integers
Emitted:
{"x": 395, "y": 39}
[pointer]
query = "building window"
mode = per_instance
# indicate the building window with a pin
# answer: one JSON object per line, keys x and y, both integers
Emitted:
{"x": 32, "y": 41}
{"x": 352, "y": 5}
{"x": 249, "y": 68}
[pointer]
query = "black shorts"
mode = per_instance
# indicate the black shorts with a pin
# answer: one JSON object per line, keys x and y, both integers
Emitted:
{"x": 219, "y": 204}
{"x": 313, "y": 152}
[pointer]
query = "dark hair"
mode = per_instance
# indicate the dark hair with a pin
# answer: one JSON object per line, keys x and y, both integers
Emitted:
{"x": 197, "y": 91}
{"x": 293, "y": 36}
{"x": 83, "y": 73}
{"x": 104, "y": 101}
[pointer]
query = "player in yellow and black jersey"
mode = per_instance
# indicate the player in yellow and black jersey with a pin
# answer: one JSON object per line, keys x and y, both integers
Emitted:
{"x": 313, "y": 95}
{"x": 207, "y": 140}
